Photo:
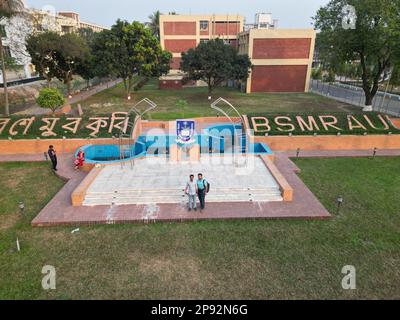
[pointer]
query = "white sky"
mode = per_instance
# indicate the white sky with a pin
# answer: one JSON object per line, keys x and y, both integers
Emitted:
{"x": 290, "y": 13}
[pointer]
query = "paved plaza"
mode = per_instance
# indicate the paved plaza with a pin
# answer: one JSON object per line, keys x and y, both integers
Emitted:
{"x": 157, "y": 180}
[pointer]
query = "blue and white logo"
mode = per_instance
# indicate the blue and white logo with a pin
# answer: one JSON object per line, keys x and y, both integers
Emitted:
{"x": 185, "y": 131}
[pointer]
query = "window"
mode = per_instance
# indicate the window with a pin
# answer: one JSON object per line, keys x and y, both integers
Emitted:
{"x": 7, "y": 52}
{"x": 203, "y": 40}
{"x": 203, "y": 25}
{"x": 3, "y": 32}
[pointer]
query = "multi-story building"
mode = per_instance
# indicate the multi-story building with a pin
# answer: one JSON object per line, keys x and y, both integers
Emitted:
{"x": 281, "y": 58}
{"x": 61, "y": 22}
{"x": 14, "y": 32}
{"x": 179, "y": 33}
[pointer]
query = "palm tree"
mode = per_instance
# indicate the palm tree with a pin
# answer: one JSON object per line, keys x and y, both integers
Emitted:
{"x": 8, "y": 8}
{"x": 154, "y": 23}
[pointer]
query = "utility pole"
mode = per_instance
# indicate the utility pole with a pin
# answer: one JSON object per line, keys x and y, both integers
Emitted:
{"x": 3, "y": 69}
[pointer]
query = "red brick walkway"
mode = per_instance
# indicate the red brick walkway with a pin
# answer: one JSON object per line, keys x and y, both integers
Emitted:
{"x": 59, "y": 210}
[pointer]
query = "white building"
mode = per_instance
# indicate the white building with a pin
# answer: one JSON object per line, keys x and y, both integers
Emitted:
{"x": 14, "y": 33}
{"x": 16, "y": 30}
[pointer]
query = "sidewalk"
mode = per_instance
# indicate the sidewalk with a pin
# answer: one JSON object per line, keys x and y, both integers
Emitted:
{"x": 36, "y": 110}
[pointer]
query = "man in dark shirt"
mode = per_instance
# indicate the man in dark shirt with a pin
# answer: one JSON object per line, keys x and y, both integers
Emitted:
{"x": 53, "y": 157}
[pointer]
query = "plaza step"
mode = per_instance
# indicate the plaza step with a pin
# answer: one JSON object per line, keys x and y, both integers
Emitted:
{"x": 177, "y": 196}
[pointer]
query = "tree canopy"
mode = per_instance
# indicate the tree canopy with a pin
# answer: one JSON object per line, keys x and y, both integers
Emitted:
{"x": 373, "y": 42}
{"x": 129, "y": 49}
{"x": 58, "y": 56}
{"x": 154, "y": 23}
{"x": 215, "y": 62}
{"x": 50, "y": 98}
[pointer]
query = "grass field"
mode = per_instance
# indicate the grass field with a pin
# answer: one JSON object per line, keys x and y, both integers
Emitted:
{"x": 114, "y": 100}
{"x": 232, "y": 259}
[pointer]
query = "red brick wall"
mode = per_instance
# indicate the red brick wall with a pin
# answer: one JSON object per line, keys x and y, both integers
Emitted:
{"x": 178, "y": 46}
{"x": 175, "y": 63}
{"x": 278, "y": 78}
{"x": 170, "y": 84}
{"x": 180, "y": 28}
{"x": 234, "y": 43}
{"x": 281, "y": 48}
{"x": 222, "y": 28}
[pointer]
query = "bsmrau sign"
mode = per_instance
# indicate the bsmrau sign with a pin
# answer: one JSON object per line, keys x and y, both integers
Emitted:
{"x": 357, "y": 123}
{"x": 185, "y": 131}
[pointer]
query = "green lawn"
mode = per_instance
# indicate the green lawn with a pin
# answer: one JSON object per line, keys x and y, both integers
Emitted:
{"x": 227, "y": 259}
{"x": 198, "y": 105}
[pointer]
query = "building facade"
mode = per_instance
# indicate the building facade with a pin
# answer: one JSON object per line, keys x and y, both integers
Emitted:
{"x": 282, "y": 58}
{"x": 179, "y": 33}
{"x": 15, "y": 31}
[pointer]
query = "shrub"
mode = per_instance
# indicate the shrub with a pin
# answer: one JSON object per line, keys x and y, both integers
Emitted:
{"x": 50, "y": 98}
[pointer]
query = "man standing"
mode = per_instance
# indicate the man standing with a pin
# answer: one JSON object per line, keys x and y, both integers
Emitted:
{"x": 53, "y": 156}
{"x": 191, "y": 191}
{"x": 202, "y": 189}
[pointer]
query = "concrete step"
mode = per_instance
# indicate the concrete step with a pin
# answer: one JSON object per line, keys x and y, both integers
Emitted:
{"x": 179, "y": 191}
{"x": 127, "y": 201}
{"x": 228, "y": 195}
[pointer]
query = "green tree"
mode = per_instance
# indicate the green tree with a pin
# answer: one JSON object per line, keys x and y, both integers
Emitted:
{"x": 8, "y": 9}
{"x": 154, "y": 24}
{"x": 57, "y": 55}
{"x": 50, "y": 98}
{"x": 71, "y": 53}
{"x": 215, "y": 62}
{"x": 374, "y": 41}
{"x": 129, "y": 49}
{"x": 42, "y": 48}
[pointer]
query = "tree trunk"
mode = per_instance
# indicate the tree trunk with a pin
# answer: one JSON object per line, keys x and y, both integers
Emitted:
{"x": 129, "y": 89}
{"x": 68, "y": 83}
{"x": 368, "y": 98}
{"x": 125, "y": 87}
{"x": 3, "y": 68}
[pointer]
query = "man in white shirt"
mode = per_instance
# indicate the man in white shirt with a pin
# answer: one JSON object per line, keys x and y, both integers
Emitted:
{"x": 191, "y": 191}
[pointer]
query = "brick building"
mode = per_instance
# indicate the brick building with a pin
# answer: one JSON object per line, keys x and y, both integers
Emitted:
{"x": 179, "y": 33}
{"x": 282, "y": 58}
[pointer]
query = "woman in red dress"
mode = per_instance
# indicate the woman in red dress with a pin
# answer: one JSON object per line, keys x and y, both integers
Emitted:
{"x": 80, "y": 159}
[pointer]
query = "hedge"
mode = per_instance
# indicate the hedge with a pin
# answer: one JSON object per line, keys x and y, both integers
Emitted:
{"x": 342, "y": 123}
{"x": 34, "y": 131}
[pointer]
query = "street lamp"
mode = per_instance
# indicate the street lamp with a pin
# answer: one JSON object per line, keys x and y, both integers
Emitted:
{"x": 21, "y": 207}
{"x": 339, "y": 202}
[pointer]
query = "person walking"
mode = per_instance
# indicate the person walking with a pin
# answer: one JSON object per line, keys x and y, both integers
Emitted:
{"x": 191, "y": 191}
{"x": 202, "y": 189}
{"x": 53, "y": 156}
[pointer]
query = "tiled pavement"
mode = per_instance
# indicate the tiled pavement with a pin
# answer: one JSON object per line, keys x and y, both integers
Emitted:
{"x": 59, "y": 210}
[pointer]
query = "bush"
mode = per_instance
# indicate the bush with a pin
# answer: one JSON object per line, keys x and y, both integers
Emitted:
{"x": 330, "y": 77}
{"x": 50, "y": 98}
{"x": 316, "y": 74}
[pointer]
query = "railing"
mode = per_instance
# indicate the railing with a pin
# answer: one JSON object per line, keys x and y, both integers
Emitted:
{"x": 127, "y": 136}
{"x": 383, "y": 102}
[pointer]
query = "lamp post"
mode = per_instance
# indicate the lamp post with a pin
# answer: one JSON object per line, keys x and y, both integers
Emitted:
{"x": 21, "y": 207}
{"x": 339, "y": 202}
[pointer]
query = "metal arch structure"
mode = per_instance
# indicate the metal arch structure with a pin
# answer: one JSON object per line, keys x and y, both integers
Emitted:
{"x": 127, "y": 149}
{"x": 237, "y": 136}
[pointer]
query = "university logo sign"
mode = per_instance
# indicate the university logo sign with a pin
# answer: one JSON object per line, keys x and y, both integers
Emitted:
{"x": 185, "y": 131}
